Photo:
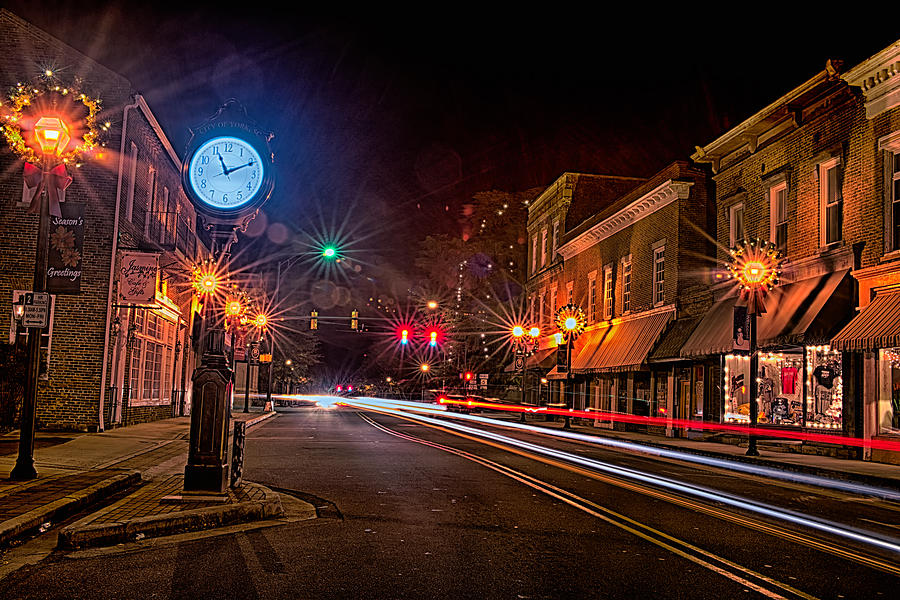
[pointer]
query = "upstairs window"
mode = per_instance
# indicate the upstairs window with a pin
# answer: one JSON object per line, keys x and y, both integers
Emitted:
{"x": 626, "y": 285}
{"x": 534, "y": 241}
{"x": 736, "y": 230}
{"x": 778, "y": 215}
{"x": 607, "y": 293}
{"x": 830, "y": 201}
{"x": 555, "y": 239}
{"x": 895, "y": 202}
{"x": 592, "y": 297}
{"x": 659, "y": 275}
{"x": 543, "y": 247}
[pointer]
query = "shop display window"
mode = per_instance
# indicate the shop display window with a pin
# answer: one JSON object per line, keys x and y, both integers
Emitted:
{"x": 889, "y": 390}
{"x": 780, "y": 388}
{"x": 737, "y": 388}
{"x": 824, "y": 401}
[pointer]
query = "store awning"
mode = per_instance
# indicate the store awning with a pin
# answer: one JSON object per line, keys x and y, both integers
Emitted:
{"x": 621, "y": 346}
{"x": 803, "y": 312}
{"x": 554, "y": 374}
{"x": 877, "y": 326}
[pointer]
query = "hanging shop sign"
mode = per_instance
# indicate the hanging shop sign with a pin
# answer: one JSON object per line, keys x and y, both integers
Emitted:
{"x": 66, "y": 256}
{"x": 138, "y": 273}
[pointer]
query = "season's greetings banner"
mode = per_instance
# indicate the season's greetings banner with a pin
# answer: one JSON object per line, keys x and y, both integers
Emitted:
{"x": 137, "y": 277}
{"x": 66, "y": 255}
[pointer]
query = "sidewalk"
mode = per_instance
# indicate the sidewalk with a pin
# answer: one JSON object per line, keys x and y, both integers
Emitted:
{"x": 144, "y": 462}
{"x": 870, "y": 473}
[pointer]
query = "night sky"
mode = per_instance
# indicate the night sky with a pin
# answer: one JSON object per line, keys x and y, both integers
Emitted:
{"x": 386, "y": 123}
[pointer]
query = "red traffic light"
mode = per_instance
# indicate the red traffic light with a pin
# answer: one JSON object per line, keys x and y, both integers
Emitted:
{"x": 469, "y": 376}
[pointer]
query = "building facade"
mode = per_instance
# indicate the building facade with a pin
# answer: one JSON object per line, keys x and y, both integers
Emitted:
{"x": 872, "y": 338}
{"x": 791, "y": 175}
{"x": 129, "y": 203}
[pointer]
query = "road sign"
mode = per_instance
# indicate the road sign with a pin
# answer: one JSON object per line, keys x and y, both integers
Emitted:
{"x": 253, "y": 353}
{"x": 37, "y": 310}
{"x": 265, "y": 358}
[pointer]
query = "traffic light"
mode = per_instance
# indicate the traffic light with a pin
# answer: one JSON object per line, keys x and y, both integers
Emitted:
{"x": 314, "y": 319}
{"x": 354, "y": 320}
{"x": 404, "y": 336}
{"x": 433, "y": 339}
{"x": 468, "y": 376}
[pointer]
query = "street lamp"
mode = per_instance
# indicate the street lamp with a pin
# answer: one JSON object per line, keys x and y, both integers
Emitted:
{"x": 524, "y": 345}
{"x": 756, "y": 266}
{"x": 570, "y": 320}
{"x": 52, "y": 135}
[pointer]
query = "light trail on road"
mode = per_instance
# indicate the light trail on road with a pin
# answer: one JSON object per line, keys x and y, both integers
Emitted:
{"x": 759, "y": 470}
{"x": 745, "y": 504}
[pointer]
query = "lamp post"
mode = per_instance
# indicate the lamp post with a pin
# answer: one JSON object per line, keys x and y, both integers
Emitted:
{"x": 524, "y": 344}
{"x": 570, "y": 320}
{"x": 52, "y": 135}
{"x": 756, "y": 266}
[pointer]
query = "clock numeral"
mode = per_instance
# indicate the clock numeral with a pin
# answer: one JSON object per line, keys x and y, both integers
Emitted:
{"x": 249, "y": 185}
{"x": 202, "y": 184}
{"x": 242, "y": 151}
{"x": 204, "y": 160}
{"x": 225, "y": 198}
{"x": 211, "y": 194}
{"x": 240, "y": 196}
{"x": 199, "y": 170}
{"x": 228, "y": 146}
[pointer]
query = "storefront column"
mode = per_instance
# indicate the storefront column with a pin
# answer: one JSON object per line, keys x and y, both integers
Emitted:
{"x": 868, "y": 398}
{"x": 629, "y": 391}
{"x": 670, "y": 403}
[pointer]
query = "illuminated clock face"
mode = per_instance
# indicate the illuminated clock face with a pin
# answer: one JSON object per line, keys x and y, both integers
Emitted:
{"x": 226, "y": 172}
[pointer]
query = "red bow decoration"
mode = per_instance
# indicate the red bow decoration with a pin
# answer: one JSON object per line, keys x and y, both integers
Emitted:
{"x": 754, "y": 300}
{"x": 58, "y": 181}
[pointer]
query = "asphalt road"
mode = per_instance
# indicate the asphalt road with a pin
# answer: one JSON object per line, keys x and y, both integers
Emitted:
{"x": 410, "y": 510}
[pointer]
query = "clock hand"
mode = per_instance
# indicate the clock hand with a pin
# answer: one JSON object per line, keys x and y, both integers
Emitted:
{"x": 225, "y": 170}
{"x": 249, "y": 164}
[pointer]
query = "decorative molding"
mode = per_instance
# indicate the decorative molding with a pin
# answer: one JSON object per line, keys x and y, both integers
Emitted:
{"x": 646, "y": 205}
{"x": 879, "y": 79}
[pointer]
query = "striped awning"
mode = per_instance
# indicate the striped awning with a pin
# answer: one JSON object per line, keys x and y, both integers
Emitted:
{"x": 621, "y": 346}
{"x": 876, "y": 326}
{"x": 792, "y": 311}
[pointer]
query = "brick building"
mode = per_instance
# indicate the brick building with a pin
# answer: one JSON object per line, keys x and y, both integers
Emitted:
{"x": 630, "y": 251}
{"x": 131, "y": 201}
{"x": 792, "y": 174}
{"x": 872, "y": 339}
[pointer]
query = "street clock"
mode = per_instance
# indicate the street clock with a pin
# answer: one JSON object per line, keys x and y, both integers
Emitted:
{"x": 228, "y": 169}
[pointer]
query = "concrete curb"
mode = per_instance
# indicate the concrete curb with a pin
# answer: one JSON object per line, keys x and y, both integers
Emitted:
{"x": 107, "y": 534}
{"x": 66, "y": 505}
{"x": 257, "y": 420}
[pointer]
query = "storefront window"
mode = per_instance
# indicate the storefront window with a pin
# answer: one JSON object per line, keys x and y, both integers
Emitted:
{"x": 889, "y": 390}
{"x": 780, "y": 388}
{"x": 824, "y": 383}
{"x": 659, "y": 399}
{"x": 737, "y": 391}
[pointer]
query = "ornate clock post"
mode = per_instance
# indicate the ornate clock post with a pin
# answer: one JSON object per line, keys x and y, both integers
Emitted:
{"x": 227, "y": 173}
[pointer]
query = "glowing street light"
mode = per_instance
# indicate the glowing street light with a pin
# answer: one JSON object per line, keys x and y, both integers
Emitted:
{"x": 424, "y": 367}
{"x": 206, "y": 283}
{"x": 261, "y": 321}
{"x": 756, "y": 266}
{"x": 432, "y": 304}
{"x": 570, "y": 320}
{"x": 233, "y": 308}
{"x": 52, "y": 135}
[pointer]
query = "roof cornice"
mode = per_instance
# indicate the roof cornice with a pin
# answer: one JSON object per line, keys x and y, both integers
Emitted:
{"x": 652, "y": 201}
{"x": 781, "y": 114}
{"x": 879, "y": 79}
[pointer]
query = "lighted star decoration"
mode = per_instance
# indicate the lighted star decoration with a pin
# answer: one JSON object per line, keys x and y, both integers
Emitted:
{"x": 18, "y": 116}
{"x": 570, "y": 320}
{"x": 756, "y": 266}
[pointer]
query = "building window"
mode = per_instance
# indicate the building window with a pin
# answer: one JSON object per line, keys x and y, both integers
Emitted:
{"x": 895, "y": 201}
{"x": 830, "y": 200}
{"x": 552, "y": 303}
{"x": 541, "y": 298}
{"x": 592, "y": 297}
{"x": 531, "y": 308}
{"x": 736, "y": 230}
{"x": 607, "y": 293}
{"x": 534, "y": 241}
{"x": 543, "y": 247}
{"x": 150, "y": 358}
{"x": 659, "y": 275}
{"x": 626, "y": 286}
{"x": 152, "y": 209}
{"x": 132, "y": 172}
{"x": 555, "y": 238}
{"x": 778, "y": 215}
{"x": 570, "y": 292}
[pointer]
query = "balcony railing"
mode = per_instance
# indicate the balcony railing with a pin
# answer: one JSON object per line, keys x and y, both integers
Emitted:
{"x": 169, "y": 231}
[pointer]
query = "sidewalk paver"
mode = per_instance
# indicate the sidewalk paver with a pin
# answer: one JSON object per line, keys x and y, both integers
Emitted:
{"x": 149, "y": 457}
